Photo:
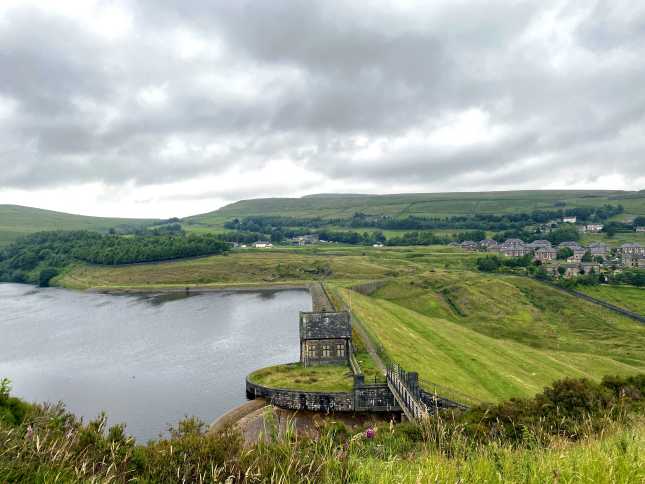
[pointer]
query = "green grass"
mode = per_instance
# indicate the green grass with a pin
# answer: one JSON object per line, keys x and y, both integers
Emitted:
{"x": 425, "y": 204}
{"x": 276, "y": 266}
{"x": 615, "y": 241}
{"x": 293, "y": 376}
{"x": 628, "y": 297}
{"x": 16, "y": 221}
{"x": 518, "y": 348}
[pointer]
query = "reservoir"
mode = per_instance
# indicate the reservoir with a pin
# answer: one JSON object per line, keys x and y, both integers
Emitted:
{"x": 147, "y": 360}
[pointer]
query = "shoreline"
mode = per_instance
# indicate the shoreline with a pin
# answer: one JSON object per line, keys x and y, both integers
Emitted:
{"x": 197, "y": 289}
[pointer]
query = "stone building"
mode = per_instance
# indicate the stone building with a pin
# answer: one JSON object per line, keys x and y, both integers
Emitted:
{"x": 488, "y": 245}
{"x": 514, "y": 248}
{"x": 594, "y": 228}
{"x": 469, "y": 245}
{"x": 325, "y": 338}
{"x": 546, "y": 254}
{"x": 632, "y": 249}
{"x": 633, "y": 261}
{"x": 598, "y": 249}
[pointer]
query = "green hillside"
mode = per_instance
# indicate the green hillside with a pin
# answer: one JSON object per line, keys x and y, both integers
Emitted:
{"x": 497, "y": 337}
{"x": 16, "y": 221}
{"x": 424, "y": 204}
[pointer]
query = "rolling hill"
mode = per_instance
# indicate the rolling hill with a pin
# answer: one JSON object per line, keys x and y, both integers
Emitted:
{"x": 16, "y": 221}
{"x": 423, "y": 204}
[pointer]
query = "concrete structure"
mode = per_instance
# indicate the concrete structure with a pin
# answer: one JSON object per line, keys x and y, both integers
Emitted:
{"x": 325, "y": 338}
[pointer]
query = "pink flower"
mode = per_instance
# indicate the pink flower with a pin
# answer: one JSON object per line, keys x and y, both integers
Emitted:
{"x": 369, "y": 433}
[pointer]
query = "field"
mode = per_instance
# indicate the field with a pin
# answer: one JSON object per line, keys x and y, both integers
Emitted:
{"x": 16, "y": 221}
{"x": 628, "y": 297}
{"x": 329, "y": 378}
{"x": 428, "y": 204}
{"x": 615, "y": 241}
{"x": 496, "y": 337}
{"x": 278, "y": 266}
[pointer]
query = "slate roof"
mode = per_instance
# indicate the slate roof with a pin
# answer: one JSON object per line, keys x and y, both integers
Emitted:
{"x": 325, "y": 325}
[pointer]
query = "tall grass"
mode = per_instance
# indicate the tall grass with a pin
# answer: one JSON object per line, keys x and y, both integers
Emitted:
{"x": 575, "y": 431}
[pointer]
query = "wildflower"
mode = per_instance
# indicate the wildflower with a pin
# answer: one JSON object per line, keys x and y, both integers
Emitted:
{"x": 370, "y": 432}
{"x": 30, "y": 432}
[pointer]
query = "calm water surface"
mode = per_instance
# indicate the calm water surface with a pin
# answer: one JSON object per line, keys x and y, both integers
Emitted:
{"x": 146, "y": 360}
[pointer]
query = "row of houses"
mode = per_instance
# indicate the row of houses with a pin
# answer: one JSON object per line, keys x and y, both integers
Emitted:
{"x": 631, "y": 254}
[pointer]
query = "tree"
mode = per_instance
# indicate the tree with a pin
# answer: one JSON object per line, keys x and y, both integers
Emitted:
{"x": 488, "y": 264}
{"x": 587, "y": 257}
{"x": 561, "y": 270}
{"x": 46, "y": 275}
{"x": 564, "y": 253}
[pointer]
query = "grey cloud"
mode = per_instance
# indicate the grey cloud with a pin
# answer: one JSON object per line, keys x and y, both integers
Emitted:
{"x": 317, "y": 74}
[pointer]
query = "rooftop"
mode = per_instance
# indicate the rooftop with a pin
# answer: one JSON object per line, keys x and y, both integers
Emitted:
{"x": 325, "y": 325}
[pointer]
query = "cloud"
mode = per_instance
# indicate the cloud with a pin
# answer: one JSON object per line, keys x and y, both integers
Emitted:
{"x": 347, "y": 96}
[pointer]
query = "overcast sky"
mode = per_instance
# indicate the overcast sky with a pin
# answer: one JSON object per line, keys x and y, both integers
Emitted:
{"x": 173, "y": 107}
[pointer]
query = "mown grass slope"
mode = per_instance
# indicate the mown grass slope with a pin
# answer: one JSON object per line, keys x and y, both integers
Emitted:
{"x": 628, "y": 297}
{"x": 423, "y": 204}
{"x": 16, "y": 221}
{"x": 495, "y": 338}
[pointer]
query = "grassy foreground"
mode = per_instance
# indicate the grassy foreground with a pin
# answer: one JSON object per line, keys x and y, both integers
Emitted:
{"x": 574, "y": 431}
{"x": 294, "y": 376}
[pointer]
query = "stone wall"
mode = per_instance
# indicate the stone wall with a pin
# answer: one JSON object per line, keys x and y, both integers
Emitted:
{"x": 363, "y": 398}
{"x": 300, "y": 400}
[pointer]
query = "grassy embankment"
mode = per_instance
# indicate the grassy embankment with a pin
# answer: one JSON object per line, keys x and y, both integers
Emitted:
{"x": 328, "y": 378}
{"x": 16, "y": 221}
{"x": 628, "y": 297}
{"x": 493, "y": 337}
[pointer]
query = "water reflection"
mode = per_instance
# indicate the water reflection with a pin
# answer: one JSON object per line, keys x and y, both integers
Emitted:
{"x": 147, "y": 360}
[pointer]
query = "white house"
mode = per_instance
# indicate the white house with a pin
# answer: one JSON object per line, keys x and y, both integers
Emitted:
{"x": 569, "y": 220}
{"x": 593, "y": 228}
{"x": 262, "y": 244}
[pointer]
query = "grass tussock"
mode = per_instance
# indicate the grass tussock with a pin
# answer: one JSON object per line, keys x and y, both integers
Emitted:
{"x": 574, "y": 431}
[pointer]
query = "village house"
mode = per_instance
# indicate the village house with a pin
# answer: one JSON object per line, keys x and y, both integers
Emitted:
{"x": 514, "y": 248}
{"x": 545, "y": 254}
{"x": 302, "y": 240}
{"x": 262, "y": 244}
{"x": 593, "y": 228}
{"x": 488, "y": 245}
{"x": 640, "y": 228}
{"x": 537, "y": 244}
{"x": 633, "y": 249}
{"x": 325, "y": 338}
{"x": 633, "y": 261}
{"x": 598, "y": 249}
{"x": 469, "y": 245}
{"x": 569, "y": 220}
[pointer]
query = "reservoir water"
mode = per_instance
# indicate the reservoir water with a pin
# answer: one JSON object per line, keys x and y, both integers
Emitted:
{"x": 147, "y": 360}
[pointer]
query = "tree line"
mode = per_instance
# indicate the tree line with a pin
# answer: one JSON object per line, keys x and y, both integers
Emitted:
{"x": 39, "y": 257}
